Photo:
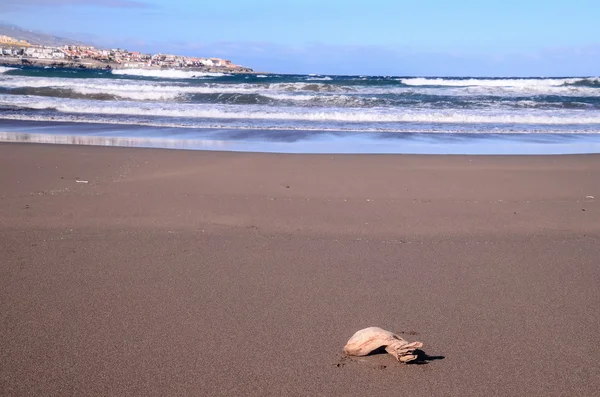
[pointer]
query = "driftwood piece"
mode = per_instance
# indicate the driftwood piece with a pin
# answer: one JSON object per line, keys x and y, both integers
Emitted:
{"x": 369, "y": 339}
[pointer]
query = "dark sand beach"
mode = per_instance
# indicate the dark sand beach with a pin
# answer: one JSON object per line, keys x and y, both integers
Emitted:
{"x": 232, "y": 274}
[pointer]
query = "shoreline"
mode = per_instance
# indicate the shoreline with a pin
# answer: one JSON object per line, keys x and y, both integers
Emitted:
{"x": 166, "y": 272}
{"x": 297, "y": 141}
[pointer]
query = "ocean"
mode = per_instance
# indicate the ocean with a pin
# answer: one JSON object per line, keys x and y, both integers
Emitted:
{"x": 301, "y": 113}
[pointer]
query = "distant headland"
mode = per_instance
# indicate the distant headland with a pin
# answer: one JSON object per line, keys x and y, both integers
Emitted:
{"x": 16, "y": 51}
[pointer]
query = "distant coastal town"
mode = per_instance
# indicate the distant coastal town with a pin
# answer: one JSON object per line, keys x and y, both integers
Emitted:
{"x": 21, "y": 52}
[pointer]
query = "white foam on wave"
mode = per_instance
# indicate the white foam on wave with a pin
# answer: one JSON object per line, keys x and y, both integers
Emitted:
{"x": 319, "y": 92}
{"x": 324, "y": 78}
{"x": 166, "y": 73}
{"x": 328, "y": 99}
{"x": 422, "y": 81}
{"x": 483, "y": 90}
{"x": 261, "y": 112}
{"x": 291, "y": 97}
{"x": 4, "y": 69}
{"x": 409, "y": 128}
{"x": 149, "y": 90}
{"x": 122, "y": 90}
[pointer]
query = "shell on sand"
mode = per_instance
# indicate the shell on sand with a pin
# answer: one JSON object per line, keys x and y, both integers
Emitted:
{"x": 366, "y": 340}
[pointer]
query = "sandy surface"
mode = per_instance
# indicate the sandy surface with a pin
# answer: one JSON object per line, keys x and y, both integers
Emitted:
{"x": 203, "y": 273}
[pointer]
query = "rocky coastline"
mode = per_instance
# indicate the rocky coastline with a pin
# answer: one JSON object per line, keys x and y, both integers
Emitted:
{"x": 98, "y": 65}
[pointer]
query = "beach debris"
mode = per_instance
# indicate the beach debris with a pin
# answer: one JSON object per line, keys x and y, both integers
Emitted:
{"x": 589, "y": 197}
{"x": 367, "y": 340}
{"x": 78, "y": 181}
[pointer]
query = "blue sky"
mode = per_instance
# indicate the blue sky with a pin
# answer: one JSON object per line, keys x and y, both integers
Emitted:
{"x": 418, "y": 37}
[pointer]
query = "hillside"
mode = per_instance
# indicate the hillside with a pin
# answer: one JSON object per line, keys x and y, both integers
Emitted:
{"x": 35, "y": 37}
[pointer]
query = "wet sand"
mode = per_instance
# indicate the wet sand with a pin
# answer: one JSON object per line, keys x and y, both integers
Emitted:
{"x": 209, "y": 273}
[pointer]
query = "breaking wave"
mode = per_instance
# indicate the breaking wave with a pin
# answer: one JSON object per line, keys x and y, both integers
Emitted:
{"x": 262, "y": 112}
{"x": 187, "y": 99}
{"x": 4, "y": 69}
{"x": 524, "y": 83}
{"x": 157, "y": 90}
{"x": 319, "y": 78}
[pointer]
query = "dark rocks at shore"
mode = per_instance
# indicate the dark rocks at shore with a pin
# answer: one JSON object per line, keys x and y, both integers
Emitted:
{"x": 94, "y": 64}
{"x": 70, "y": 64}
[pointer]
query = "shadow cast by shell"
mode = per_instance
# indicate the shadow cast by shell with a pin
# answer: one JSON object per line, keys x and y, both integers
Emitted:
{"x": 422, "y": 357}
